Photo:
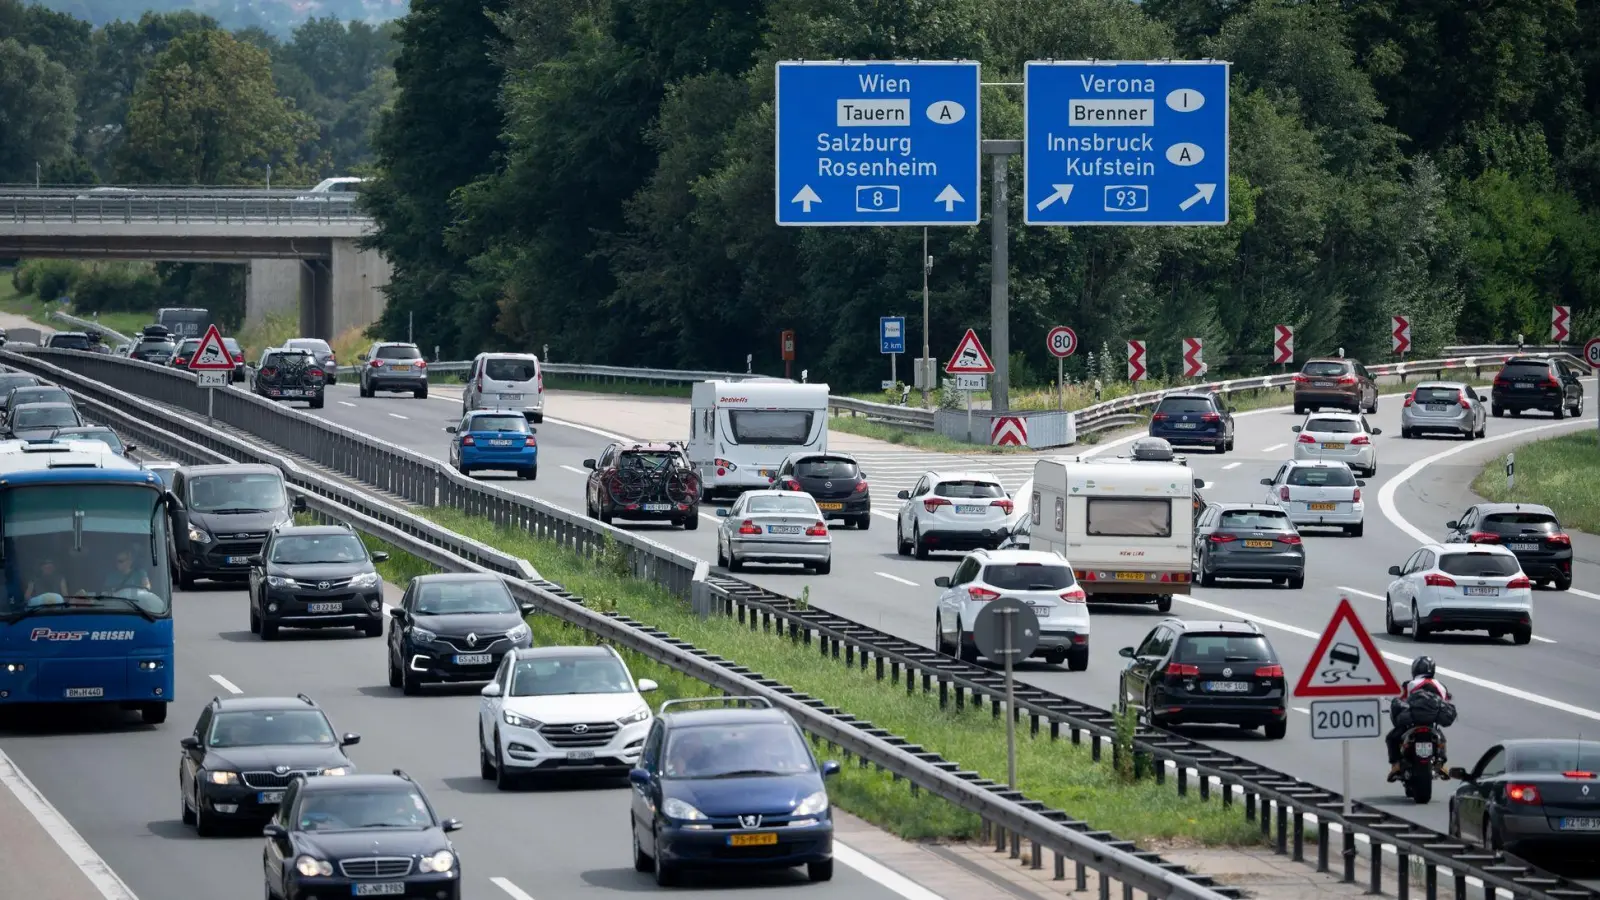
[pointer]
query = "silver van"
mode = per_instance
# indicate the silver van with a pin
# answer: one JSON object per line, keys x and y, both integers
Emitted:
{"x": 505, "y": 382}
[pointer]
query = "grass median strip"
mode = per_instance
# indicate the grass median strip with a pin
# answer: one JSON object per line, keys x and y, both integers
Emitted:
{"x": 1054, "y": 772}
{"x": 1558, "y": 472}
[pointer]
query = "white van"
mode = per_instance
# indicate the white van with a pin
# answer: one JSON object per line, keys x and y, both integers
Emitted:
{"x": 1126, "y": 525}
{"x": 741, "y": 431}
{"x": 505, "y": 382}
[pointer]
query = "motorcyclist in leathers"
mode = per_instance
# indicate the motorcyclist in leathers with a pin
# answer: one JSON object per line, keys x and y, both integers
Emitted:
{"x": 1422, "y": 679}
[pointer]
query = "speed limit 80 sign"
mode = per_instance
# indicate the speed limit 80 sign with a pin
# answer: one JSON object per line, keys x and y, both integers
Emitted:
{"x": 1591, "y": 353}
{"x": 1061, "y": 342}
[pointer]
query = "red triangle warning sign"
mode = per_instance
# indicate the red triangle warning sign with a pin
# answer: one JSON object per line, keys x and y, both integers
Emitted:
{"x": 212, "y": 354}
{"x": 1346, "y": 663}
{"x": 970, "y": 358}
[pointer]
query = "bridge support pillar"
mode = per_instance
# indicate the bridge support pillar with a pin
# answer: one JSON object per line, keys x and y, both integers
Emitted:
{"x": 316, "y": 298}
{"x": 273, "y": 288}
{"x": 358, "y": 279}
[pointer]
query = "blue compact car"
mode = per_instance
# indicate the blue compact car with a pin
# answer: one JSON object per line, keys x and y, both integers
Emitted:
{"x": 732, "y": 786}
{"x": 491, "y": 440}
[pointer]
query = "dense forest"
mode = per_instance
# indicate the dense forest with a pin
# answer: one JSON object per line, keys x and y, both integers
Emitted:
{"x": 597, "y": 176}
{"x": 277, "y": 16}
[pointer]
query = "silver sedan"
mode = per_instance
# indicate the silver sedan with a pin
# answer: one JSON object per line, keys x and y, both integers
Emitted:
{"x": 1444, "y": 407}
{"x": 774, "y": 527}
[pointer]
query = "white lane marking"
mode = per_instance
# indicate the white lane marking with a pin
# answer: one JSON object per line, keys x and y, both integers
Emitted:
{"x": 1350, "y": 590}
{"x": 515, "y": 892}
{"x": 227, "y": 685}
{"x": 1231, "y": 466}
{"x": 1273, "y": 448}
{"x": 61, "y": 831}
{"x": 575, "y": 470}
{"x": 897, "y": 578}
{"x": 880, "y": 873}
{"x": 1518, "y": 693}
{"x": 397, "y": 416}
{"x": 1301, "y": 709}
{"x": 346, "y": 403}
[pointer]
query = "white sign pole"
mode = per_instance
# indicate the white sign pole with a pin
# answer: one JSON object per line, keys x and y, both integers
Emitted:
{"x": 1061, "y": 383}
{"x": 211, "y": 398}
{"x": 1344, "y": 747}
{"x": 1511, "y": 472}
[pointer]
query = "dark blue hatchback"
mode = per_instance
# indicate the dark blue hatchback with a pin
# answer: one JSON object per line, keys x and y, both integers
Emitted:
{"x": 733, "y": 786}
{"x": 1194, "y": 420}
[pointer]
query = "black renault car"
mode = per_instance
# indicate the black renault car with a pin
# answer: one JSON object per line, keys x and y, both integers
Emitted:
{"x": 243, "y": 753}
{"x": 228, "y": 511}
{"x": 1194, "y": 420}
{"x": 1248, "y": 540}
{"x": 1531, "y": 532}
{"x": 359, "y": 836}
{"x": 454, "y": 627}
{"x": 834, "y": 480}
{"x": 1535, "y": 383}
{"x": 1189, "y": 672}
{"x": 315, "y": 576}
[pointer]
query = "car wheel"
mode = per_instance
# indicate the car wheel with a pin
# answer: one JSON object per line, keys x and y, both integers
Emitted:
{"x": 1299, "y": 410}
{"x": 722, "y": 558}
{"x": 824, "y": 567}
{"x": 394, "y": 679}
{"x": 1419, "y": 631}
{"x": 916, "y": 542}
{"x": 692, "y": 521}
{"x": 203, "y": 826}
{"x": 666, "y": 875}
{"x": 1561, "y": 411}
{"x": 502, "y": 779}
{"x": 1577, "y": 408}
{"x": 900, "y": 545}
{"x": 1562, "y": 582}
{"x": 1207, "y": 577}
{"x": 865, "y": 522}
{"x": 185, "y": 580}
{"x": 604, "y": 514}
{"x": 372, "y": 629}
{"x": 821, "y": 870}
{"x": 1522, "y": 634}
{"x": 1357, "y": 530}
{"x": 966, "y": 652}
{"x": 1078, "y": 659}
{"x": 317, "y": 403}
{"x": 1389, "y": 624}
{"x": 269, "y": 630}
{"x": 420, "y": 393}
{"x": 187, "y": 814}
{"x": 1406, "y": 433}
{"x": 255, "y": 621}
{"x": 1275, "y": 731}
{"x": 486, "y": 767}
{"x": 1490, "y": 837}
{"x": 641, "y": 860}
{"x": 409, "y": 684}
{"x": 364, "y": 391}
{"x": 1296, "y": 582}
{"x": 939, "y": 643}
{"x": 530, "y": 473}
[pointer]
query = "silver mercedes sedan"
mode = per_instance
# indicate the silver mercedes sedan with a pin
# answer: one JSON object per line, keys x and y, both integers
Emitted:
{"x": 774, "y": 527}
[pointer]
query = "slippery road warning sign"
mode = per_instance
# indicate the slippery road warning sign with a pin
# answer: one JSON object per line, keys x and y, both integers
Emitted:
{"x": 1346, "y": 663}
{"x": 970, "y": 358}
{"x": 212, "y": 354}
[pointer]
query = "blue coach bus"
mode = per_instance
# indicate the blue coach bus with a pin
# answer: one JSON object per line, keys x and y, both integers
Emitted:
{"x": 87, "y": 611}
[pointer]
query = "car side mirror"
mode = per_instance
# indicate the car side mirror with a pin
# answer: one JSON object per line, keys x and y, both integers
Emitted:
{"x": 130, "y": 448}
{"x": 361, "y": 356}
{"x": 1377, "y": 431}
{"x": 492, "y": 689}
{"x": 1394, "y": 570}
{"x": 274, "y": 831}
{"x": 588, "y": 464}
{"x": 1450, "y": 525}
{"x": 639, "y": 777}
{"x": 1126, "y": 652}
{"x": 449, "y": 429}
{"x": 190, "y": 743}
{"x": 903, "y": 495}
{"x": 350, "y": 739}
{"x": 528, "y": 609}
{"x": 300, "y": 505}
{"x": 830, "y": 768}
{"x": 1199, "y": 483}
{"x": 942, "y": 581}
{"x": 253, "y": 560}
{"x": 379, "y": 556}
{"x": 646, "y": 685}
{"x": 396, "y": 612}
{"x": 1295, "y": 428}
{"x": 450, "y": 825}
{"x": 1232, "y": 410}
{"x": 1267, "y": 482}
{"x": 722, "y": 512}
{"x": 1459, "y": 774}
{"x": 1483, "y": 398}
{"x": 1360, "y": 483}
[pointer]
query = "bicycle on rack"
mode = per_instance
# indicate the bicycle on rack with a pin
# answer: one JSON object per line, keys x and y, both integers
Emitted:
{"x": 644, "y": 482}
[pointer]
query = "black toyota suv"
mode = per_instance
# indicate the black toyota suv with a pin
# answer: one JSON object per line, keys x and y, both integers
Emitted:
{"x": 1531, "y": 532}
{"x": 1206, "y": 673}
{"x": 1535, "y": 383}
{"x": 834, "y": 480}
{"x": 227, "y": 511}
{"x": 290, "y": 375}
{"x": 155, "y": 345}
{"x": 361, "y": 836}
{"x": 243, "y": 753}
{"x": 454, "y": 627}
{"x": 315, "y": 576}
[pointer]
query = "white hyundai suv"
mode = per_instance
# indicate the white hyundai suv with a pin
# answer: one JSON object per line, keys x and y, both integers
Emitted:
{"x": 952, "y": 511}
{"x": 561, "y": 710}
{"x": 1042, "y": 580}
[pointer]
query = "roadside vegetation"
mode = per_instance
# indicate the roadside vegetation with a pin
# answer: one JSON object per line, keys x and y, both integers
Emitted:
{"x": 1559, "y": 472}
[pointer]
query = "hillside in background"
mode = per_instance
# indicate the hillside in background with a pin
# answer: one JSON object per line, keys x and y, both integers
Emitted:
{"x": 277, "y": 16}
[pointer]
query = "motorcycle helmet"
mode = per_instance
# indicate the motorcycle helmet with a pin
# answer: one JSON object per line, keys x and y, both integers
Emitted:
{"x": 1422, "y": 667}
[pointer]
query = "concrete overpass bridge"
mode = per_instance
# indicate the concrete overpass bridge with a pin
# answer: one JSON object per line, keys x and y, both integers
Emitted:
{"x": 303, "y": 250}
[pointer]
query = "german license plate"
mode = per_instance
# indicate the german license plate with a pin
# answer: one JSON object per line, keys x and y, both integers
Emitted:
{"x": 383, "y": 889}
{"x": 1130, "y": 576}
{"x": 1423, "y": 749}
{"x": 1525, "y": 548}
{"x": 324, "y": 607}
{"x": 1264, "y": 545}
{"x": 291, "y": 392}
{"x": 79, "y": 693}
{"x": 1324, "y": 384}
{"x": 1481, "y": 591}
{"x": 1228, "y": 687}
{"x": 270, "y": 797}
{"x": 510, "y": 396}
{"x": 1580, "y": 825}
{"x": 1523, "y": 386}
{"x": 1333, "y": 445}
{"x": 967, "y": 509}
{"x": 474, "y": 659}
{"x": 657, "y": 507}
{"x": 783, "y": 529}
{"x": 238, "y": 560}
{"x": 764, "y": 839}
{"x": 1189, "y": 425}
{"x": 402, "y": 368}
{"x": 1436, "y": 407}
{"x": 1042, "y": 612}
{"x": 499, "y": 443}
{"x": 580, "y": 754}
{"x": 830, "y": 506}
{"x": 1322, "y": 507}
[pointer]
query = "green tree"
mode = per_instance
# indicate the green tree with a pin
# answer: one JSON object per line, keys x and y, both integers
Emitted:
{"x": 36, "y": 110}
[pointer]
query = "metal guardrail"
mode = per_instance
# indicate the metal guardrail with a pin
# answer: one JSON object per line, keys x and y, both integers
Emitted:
{"x": 87, "y": 325}
{"x": 1281, "y": 799}
{"x": 178, "y": 207}
{"x": 1006, "y": 814}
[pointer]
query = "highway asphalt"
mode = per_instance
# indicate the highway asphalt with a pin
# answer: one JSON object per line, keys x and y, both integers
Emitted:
{"x": 1502, "y": 690}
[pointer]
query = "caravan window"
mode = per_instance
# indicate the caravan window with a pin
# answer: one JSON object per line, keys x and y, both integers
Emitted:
{"x": 1128, "y": 517}
{"x": 770, "y": 426}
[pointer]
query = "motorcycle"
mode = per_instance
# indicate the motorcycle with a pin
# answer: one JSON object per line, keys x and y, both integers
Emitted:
{"x": 1422, "y": 760}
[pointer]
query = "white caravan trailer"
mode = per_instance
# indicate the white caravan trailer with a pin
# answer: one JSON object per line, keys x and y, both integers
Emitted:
{"x": 740, "y": 431}
{"x": 1125, "y": 525}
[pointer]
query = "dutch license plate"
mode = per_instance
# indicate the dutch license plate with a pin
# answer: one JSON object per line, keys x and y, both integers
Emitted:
{"x": 1423, "y": 749}
{"x": 510, "y": 396}
{"x": 1228, "y": 687}
{"x": 238, "y": 560}
{"x": 580, "y": 754}
{"x": 967, "y": 509}
{"x": 1130, "y": 576}
{"x": 1525, "y": 548}
{"x": 499, "y": 443}
{"x": 1265, "y": 545}
{"x": 1580, "y": 825}
{"x": 830, "y": 506}
{"x": 783, "y": 529}
{"x": 1333, "y": 446}
{"x": 765, "y": 839}
{"x": 657, "y": 507}
{"x": 78, "y": 693}
{"x": 1322, "y": 507}
{"x": 270, "y": 797}
{"x": 384, "y": 889}
{"x": 324, "y": 607}
{"x": 474, "y": 659}
{"x": 1183, "y": 425}
{"x": 1481, "y": 591}
{"x": 1042, "y": 612}
{"x": 402, "y": 368}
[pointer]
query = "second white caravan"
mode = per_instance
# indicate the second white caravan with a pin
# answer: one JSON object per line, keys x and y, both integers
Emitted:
{"x": 741, "y": 431}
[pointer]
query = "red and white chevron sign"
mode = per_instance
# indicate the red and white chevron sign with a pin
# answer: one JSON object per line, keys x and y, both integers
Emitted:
{"x": 1560, "y": 327}
{"x": 1282, "y": 345}
{"x": 1400, "y": 334}
{"x": 1194, "y": 365}
{"x": 1136, "y": 367}
{"x": 1009, "y": 431}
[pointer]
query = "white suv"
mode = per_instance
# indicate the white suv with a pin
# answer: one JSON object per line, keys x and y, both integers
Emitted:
{"x": 1042, "y": 580}
{"x": 1460, "y": 587}
{"x": 1318, "y": 493}
{"x": 561, "y": 709}
{"x": 505, "y": 382}
{"x": 952, "y": 511}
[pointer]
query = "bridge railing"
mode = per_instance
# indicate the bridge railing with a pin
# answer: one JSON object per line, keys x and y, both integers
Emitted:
{"x": 179, "y": 207}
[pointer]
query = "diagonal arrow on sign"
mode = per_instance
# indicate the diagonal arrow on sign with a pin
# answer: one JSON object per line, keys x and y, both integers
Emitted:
{"x": 1136, "y": 369}
{"x": 1063, "y": 192}
{"x": 1560, "y": 329}
{"x": 1203, "y": 192}
{"x": 1193, "y": 365}
{"x": 1282, "y": 345}
{"x": 1400, "y": 334}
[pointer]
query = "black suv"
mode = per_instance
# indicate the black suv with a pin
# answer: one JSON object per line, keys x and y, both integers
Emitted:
{"x": 155, "y": 345}
{"x": 244, "y": 751}
{"x": 1533, "y": 382}
{"x": 1194, "y": 420}
{"x": 454, "y": 627}
{"x": 361, "y": 836}
{"x": 834, "y": 480}
{"x": 315, "y": 576}
{"x": 1531, "y": 532}
{"x": 1206, "y": 673}
{"x": 228, "y": 511}
{"x": 68, "y": 340}
{"x": 290, "y": 375}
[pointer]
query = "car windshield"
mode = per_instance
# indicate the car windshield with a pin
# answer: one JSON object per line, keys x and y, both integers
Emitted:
{"x": 513, "y": 423}
{"x": 103, "y": 435}
{"x": 397, "y": 351}
{"x": 1185, "y": 405}
{"x": 1324, "y": 369}
{"x": 649, "y": 460}
{"x": 46, "y": 417}
{"x": 39, "y": 395}
{"x": 1254, "y": 520}
{"x": 263, "y": 727}
{"x": 11, "y": 382}
{"x": 1555, "y": 756}
{"x": 800, "y": 506}
{"x": 725, "y": 751}
{"x": 344, "y": 809}
{"x": 453, "y": 598}
{"x": 313, "y": 345}
{"x": 241, "y": 492}
{"x": 1223, "y": 648}
{"x": 233, "y": 347}
{"x": 69, "y": 341}
{"x": 311, "y": 549}
{"x": 1321, "y": 476}
{"x": 825, "y": 467}
{"x": 161, "y": 345}
{"x": 297, "y": 358}
{"x": 1333, "y": 426}
{"x": 547, "y": 676}
{"x": 518, "y": 370}
{"x": 1028, "y": 577}
{"x": 189, "y": 346}
{"x": 1523, "y": 521}
{"x": 1436, "y": 395}
{"x": 165, "y": 473}
{"x": 969, "y": 490}
{"x": 1479, "y": 565}
{"x": 1526, "y": 370}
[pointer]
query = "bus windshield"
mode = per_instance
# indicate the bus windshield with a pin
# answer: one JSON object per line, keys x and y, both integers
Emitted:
{"x": 70, "y": 550}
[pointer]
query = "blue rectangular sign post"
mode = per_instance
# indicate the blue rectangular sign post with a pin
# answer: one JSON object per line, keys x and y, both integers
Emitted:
{"x": 892, "y": 334}
{"x": 877, "y": 143}
{"x": 1126, "y": 143}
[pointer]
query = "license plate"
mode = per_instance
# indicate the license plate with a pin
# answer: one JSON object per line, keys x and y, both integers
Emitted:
{"x": 269, "y": 797}
{"x": 386, "y": 889}
{"x": 510, "y": 396}
{"x": 1130, "y": 576}
{"x": 1525, "y": 548}
{"x": 1436, "y": 407}
{"x": 765, "y": 839}
{"x": 1580, "y": 825}
{"x": 783, "y": 529}
{"x": 1042, "y": 612}
{"x": 402, "y": 368}
{"x": 499, "y": 443}
{"x": 1322, "y": 507}
{"x": 1481, "y": 591}
{"x": 969, "y": 510}
{"x": 293, "y": 393}
{"x": 766, "y": 473}
{"x": 238, "y": 560}
{"x": 580, "y": 754}
{"x": 73, "y": 693}
{"x": 1522, "y": 387}
{"x": 324, "y": 607}
{"x": 1333, "y": 446}
{"x": 830, "y": 506}
{"x": 1423, "y": 749}
{"x": 1324, "y": 384}
{"x": 1265, "y": 545}
{"x": 1184, "y": 425}
{"x": 1228, "y": 687}
{"x": 474, "y": 659}
{"x": 657, "y": 507}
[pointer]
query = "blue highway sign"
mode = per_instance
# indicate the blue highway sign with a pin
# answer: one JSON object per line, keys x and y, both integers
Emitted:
{"x": 1126, "y": 143}
{"x": 877, "y": 143}
{"x": 892, "y": 334}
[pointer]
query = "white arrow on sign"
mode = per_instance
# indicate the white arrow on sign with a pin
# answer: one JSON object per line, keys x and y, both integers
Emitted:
{"x": 949, "y": 197}
{"x": 1205, "y": 192}
{"x": 1063, "y": 193}
{"x": 805, "y": 198}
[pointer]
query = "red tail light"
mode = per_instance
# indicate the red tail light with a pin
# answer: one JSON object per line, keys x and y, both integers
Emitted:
{"x": 1360, "y": 440}
{"x": 1005, "y": 506}
{"x": 1577, "y": 774}
{"x": 541, "y": 381}
{"x": 982, "y": 595}
{"x": 1076, "y": 595}
{"x": 1356, "y": 497}
{"x": 1211, "y": 417}
{"x": 1283, "y": 493}
{"x": 1501, "y": 381}
{"x": 861, "y": 487}
{"x": 1438, "y": 581}
{"x": 1159, "y": 417}
{"x": 378, "y": 364}
{"x": 1465, "y": 403}
{"x": 1521, "y": 581}
{"x": 317, "y": 373}
{"x": 1483, "y": 537}
{"x": 467, "y": 441}
{"x": 1306, "y": 439}
{"x": 1411, "y": 398}
{"x": 818, "y": 530}
{"x": 749, "y": 527}
{"x": 269, "y": 371}
{"x": 1347, "y": 379}
{"x": 1269, "y": 672}
{"x": 1181, "y": 670}
{"x": 1301, "y": 379}
{"x": 1551, "y": 382}
{"x": 420, "y": 363}
{"x": 1222, "y": 539}
{"x": 1559, "y": 540}
{"x": 1523, "y": 793}
{"x": 180, "y": 361}
{"x": 933, "y": 503}
{"x": 1288, "y": 538}
{"x": 530, "y": 441}
{"x": 789, "y": 484}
